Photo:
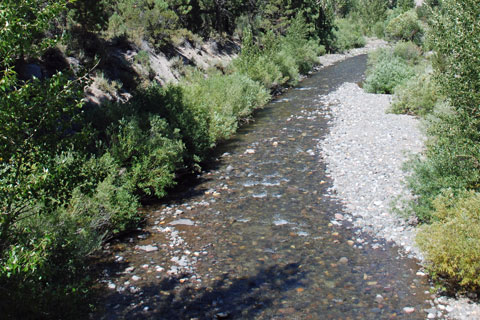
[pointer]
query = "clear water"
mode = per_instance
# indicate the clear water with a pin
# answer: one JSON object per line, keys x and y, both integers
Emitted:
{"x": 264, "y": 243}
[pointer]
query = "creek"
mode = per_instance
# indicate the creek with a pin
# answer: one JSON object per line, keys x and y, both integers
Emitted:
{"x": 257, "y": 235}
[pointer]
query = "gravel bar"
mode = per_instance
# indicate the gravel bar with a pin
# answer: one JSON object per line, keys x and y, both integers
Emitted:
{"x": 364, "y": 152}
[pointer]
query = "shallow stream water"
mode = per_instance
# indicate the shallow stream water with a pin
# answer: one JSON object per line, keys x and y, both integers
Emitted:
{"x": 256, "y": 235}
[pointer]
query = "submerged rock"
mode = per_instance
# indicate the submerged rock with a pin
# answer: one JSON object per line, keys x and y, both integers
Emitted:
{"x": 182, "y": 222}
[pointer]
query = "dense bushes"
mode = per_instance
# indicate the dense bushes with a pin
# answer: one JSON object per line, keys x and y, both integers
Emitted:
{"x": 418, "y": 95}
{"x": 452, "y": 159}
{"x": 228, "y": 100}
{"x": 388, "y": 73}
{"x": 449, "y": 162}
{"x": 446, "y": 178}
{"x": 389, "y": 68}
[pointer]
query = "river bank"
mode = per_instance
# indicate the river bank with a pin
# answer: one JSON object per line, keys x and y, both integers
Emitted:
{"x": 364, "y": 152}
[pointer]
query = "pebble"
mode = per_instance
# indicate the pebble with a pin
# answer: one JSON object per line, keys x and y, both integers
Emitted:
{"x": 343, "y": 260}
{"x": 147, "y": 248}
{"x": 378, "y": 298}
{"x": 249, "y": 151}
{"x": 280, "y": 222}
{"x": 136, "y": 278}
{"x": 182, "y": 222}
{"x": 134, "y": 290}
{"x": 409, "y": 310}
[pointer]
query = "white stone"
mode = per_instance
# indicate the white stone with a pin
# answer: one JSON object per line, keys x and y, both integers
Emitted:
{"x": 408, "y": 310}
{"x": 147, "y": 248}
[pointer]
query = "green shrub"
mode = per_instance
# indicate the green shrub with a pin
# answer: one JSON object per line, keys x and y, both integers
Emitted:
{"x": 42, "y": 266}
{"x": 387, "y": 71}
{"x": 287, "y": 65}
{"x": 378, "y": 29}
{"x": 348, "y": 35}
{"x": 111, "y": 209}
{"x": 225, "y": 99}
{"x": 43, "y": 274}
{"x": 191, "y": 122}
{"x": 306, "y": 56}
{"x": 257, "y": 65}
{"x": 150, "y": 152}
{"x": 406, "y": 27}
{"x": 449, "y": 161}
{"x": 408, "y": 51}
{"x": 417, "y": 96}
{"x": 452, "y": 242}
{"x": 424, "y": 12}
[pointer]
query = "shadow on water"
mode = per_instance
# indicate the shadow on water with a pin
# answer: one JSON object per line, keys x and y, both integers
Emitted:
{"x": 226, "y": 298}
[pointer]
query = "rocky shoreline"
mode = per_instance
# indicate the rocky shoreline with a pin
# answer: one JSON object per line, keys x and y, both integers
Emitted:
{"x": 364, "y": 152}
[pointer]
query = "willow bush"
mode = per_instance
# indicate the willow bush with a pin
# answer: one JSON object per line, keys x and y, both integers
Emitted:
{"x": 446, "y": 180}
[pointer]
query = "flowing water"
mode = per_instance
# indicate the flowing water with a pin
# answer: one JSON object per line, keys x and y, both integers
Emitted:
{"x": 256, "y": 236}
